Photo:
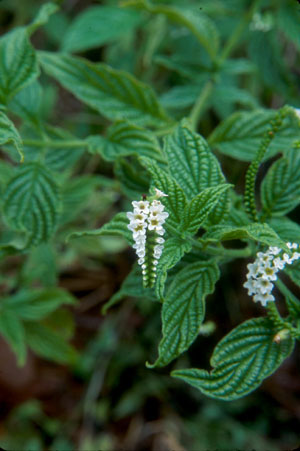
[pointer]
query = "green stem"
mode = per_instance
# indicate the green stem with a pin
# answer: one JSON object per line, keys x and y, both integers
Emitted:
{"x": 59, "y": 144}
{"x": 200, "y": 104}
{"x": 234, "y": 38}
{"x": 279, "y": 322}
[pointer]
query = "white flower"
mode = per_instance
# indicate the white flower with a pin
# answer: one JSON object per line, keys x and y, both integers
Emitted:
{"x": 141, "y": 206}
{"x": 159, "y": 193}
{"x": 264, "y": 270}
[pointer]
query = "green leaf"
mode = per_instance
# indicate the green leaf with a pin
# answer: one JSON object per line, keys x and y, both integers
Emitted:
{"x": 132, "y": 286}
{"x": 262, "y": 233}
{"x": 293, "y": 305}
{"x": 240, "y": 135}
{"x": 12, "y": 330}
{"x": 198, "y": 209}
{"x": 183, "y": 310}
{"x": 280, "y": 189}
{"x": 192, "y": 18}
{"x": 31, "y": 202}
{"x": 49, "y": 344}
{"x": 18, "y": 63}
{"x": 288, "y": 21}
{"x": 285, "y": 228}
{"x": 194, "y": 166}
{"x": 174, "y": 249}
{"x": 123, "y": 139}
{"x": 116, "y": 226}
{"x": 36, "y": 304}
{"x": 42, "y": 17}
{"x": 26, "y": 103}
{"x": 241, "y": 361}
{"x": 98, "y": 25}
{"x": 9, "y": 133}
{"x": 115, "y": 94}
{"x": 175, "y": 202}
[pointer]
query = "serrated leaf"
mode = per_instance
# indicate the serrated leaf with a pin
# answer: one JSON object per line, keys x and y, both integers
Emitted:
{"x": 36, "y": 304}
{"x": 241, "y": 361}
{"x": 280, "y": 189}
{"x": 18, "y": 63}
{"x": 49, "y": 344}
{"x": 132, "y": 286}
{"x": 115, "y": 94}
{"x": 262, "y": 233}
{"x": 31, "y": 202}
{"x": 198, "y": 209}
{"x": 174, "y": 249}
{"x": 9, "y": 133}
{"x": 124, "y": 139}
{"x": 175, "y": 202}
{"x": 239, "y": 136}
{"x": 98, "y": 25}
{"x": 183, "y": 310}
{"x": 42, "y": 17}
{"x": 194, "y": 166}
{"x": 13, "y": 331}
{"x": 116, "y": 226}
{"x": 198, "y": 23}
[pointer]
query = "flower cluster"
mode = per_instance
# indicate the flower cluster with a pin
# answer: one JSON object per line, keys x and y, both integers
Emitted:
{"x": 264, "y": 270}
{"x": 146, "y": 224}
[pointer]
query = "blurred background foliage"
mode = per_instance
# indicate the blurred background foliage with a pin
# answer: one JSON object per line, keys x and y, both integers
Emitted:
{"x": 101, "y": 396}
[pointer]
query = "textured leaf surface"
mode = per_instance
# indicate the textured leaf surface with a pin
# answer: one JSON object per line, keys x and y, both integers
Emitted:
{"x": 98, "y": 25}
{"x": 241, "y": 361}
{"x": 285, "y": 228}
{"x": 13, "y": 331}
{"x": 31, "y": 202}
{"x": 175, "y": 202}
{"x": 198, "y": 209}
{"x": 115, "y": 94}
{"x": 9, "y": 133}
{"x": 280, "y": 189}
{"x": 116, "y": 226}
{"x": 184, "y": 309}
{"x": 194, "y": 166}
{"x": 18, "y": 63}
{"x": 123, "y": 139}
{"x": 240, "y": 135}
{"x": 197, "y": 22}
{"x": 262, "y": 233}
{"x": 174, "y": 249}
{"x": 36, "y": 304}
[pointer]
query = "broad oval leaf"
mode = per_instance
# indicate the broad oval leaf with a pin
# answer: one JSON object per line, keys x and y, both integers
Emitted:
{"x": 98, "y": 25}
{"x": 115, "y": 94}
{"x": 198, "y": 209}
{"x": 241, "y": 361}
{"x": 13, "y": 331}
{"x": 239, "y": 136}
{"x": 18, "y": 63}
{"x": 123, "y": 139}
{"x": 174, "y": 249}
{"x": 9, "y": 133}
{"x": 183, "y": 310}
{"x": 194, "y": 166}
{"x": 280, "y": 189}
{"x": 31, "y": 202}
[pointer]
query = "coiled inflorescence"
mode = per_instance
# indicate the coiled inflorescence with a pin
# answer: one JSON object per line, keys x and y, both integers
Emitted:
{"x": 264, "y": 270}
{"x": 146, "y": 224}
